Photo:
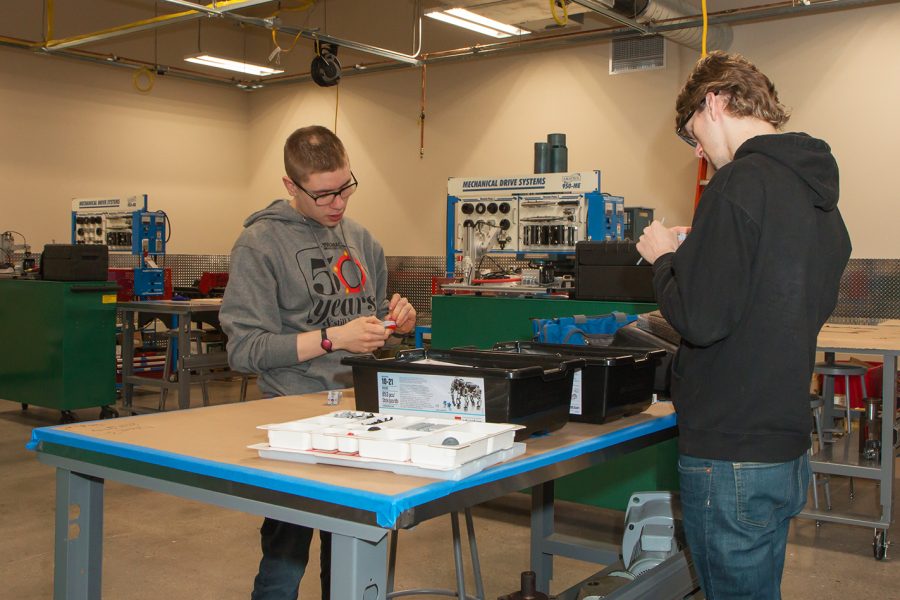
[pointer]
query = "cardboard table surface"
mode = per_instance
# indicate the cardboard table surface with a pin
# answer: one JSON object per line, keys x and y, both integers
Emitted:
{"x": 213, "y": 441}
{"x": 884, "y": 337}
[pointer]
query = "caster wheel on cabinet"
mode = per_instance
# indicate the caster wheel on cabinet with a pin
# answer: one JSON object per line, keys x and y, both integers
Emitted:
{"x": 880, "y": 544}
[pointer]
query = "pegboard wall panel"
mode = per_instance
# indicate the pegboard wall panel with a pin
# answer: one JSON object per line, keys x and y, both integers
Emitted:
{"x": 186, "y": 268}
{"x": 411, "y": 277}
{"x": 870, "y": 289}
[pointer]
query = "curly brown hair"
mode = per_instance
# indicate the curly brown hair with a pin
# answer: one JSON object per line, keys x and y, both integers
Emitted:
{"x": 313, "y": 149}
{"x": 749, "y": 92}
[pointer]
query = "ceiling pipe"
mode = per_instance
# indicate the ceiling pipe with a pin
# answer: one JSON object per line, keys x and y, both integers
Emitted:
{"x": 212, "y": 9}
{"x": 19, "y": 43}
{"x": 768, "y": 11}
{"x": 110, "y": 60}
{"x": 315, "y": 34}
{"x": 198, "y": 10}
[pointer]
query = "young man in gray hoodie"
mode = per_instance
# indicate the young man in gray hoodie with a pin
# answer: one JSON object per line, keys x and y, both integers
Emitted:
{"x": 306, "y": 287}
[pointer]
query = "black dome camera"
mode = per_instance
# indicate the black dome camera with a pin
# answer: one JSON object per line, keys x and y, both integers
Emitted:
{"x": 326, "y": 68}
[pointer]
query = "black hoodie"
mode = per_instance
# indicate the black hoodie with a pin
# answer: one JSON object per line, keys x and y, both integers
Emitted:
{"x": 749, "y": 290}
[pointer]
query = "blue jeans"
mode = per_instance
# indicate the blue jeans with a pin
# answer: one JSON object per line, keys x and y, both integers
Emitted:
{"x": 736, "y": 520}
{"x": 285, "y": 549}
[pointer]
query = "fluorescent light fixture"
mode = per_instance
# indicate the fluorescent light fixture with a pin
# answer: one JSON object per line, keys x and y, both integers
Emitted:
{"x": 469, "y": 20}
{"x": 231, "y": 65}
{"x": 470, "y": 16}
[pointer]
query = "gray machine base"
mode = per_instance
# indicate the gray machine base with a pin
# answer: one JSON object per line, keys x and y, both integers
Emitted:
{"x": 672, "y": 579}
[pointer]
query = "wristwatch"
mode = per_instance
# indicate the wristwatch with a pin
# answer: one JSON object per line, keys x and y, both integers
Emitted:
{"x": 327, "y": 346}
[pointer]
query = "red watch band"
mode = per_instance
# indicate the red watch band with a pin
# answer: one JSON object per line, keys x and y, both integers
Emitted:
{"x": 327, "y": 346}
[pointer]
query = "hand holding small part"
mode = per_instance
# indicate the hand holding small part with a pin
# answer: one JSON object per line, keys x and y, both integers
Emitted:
{"x": 364, "y": 334}
{"x": 402, "y": 313}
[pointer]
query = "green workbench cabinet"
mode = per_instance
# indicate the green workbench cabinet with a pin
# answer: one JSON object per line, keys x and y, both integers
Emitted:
{"x": 59, "y": 343}
{"x": 482, "y": 321}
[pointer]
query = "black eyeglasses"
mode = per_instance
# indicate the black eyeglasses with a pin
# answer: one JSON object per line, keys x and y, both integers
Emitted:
{"x": 329, "y": 197}
{"x": 681, "y": 132}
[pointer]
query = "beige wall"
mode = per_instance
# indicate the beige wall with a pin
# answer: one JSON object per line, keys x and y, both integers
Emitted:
{"x": 209, "y": 155}
{"x": 71, "y": 130}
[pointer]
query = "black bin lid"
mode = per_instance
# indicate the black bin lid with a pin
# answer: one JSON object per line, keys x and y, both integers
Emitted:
{"x": 610, "y": 356}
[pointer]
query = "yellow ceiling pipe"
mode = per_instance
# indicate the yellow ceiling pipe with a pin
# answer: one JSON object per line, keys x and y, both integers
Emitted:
{"x": 49, "y": 10}
{"x": 11, "y": 41}
{"x": 136, "y": 26}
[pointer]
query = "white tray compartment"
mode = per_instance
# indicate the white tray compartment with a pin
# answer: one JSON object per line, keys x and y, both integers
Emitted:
{"x": 430, "y": 450}
{"x": 348, "y": 443}
{"x": 500, "y": 435}
{"x": 387, "y": 444}
{"x": 327, "y": 439}
{"x": 293, "y": 434}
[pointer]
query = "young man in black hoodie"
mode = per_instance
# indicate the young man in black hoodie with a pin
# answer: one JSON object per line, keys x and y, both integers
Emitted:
{"x": 748, "y": 290}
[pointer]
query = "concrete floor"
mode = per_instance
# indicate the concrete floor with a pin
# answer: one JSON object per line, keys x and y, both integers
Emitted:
{"x": 158, "y": 546}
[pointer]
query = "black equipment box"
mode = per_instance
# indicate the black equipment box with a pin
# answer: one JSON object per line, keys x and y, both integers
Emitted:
{"x": 609, "y": 270}
{"x": 615, "y": 382}
{"x": 75, "y": 262}
{"x": 534, "y": 391}
{"x": 636, "y": 219}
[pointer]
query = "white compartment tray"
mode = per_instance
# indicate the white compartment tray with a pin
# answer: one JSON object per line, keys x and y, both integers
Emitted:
{"x": 401, "y": 468}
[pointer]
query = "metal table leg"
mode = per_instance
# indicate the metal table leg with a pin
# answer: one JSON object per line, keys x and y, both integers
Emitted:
{"x": 358, "y": 568}
{"x": 127, "y": 358}
{"x": 78, "y": 553}
{"x": 888, "y": 411}
{"x": 541, "y": 530}
{"x": 473, "y": 552}
{"x": 184, "y": 350}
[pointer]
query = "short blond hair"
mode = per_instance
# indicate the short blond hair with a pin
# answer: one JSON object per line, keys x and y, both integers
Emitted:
{"x": 313, "y": 149}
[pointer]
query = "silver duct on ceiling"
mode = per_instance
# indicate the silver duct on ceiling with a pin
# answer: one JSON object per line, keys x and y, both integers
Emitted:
{"x": 719, "y": 37}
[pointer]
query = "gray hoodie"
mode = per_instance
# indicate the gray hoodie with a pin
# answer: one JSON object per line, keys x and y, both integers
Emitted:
{"x": 290, "y": 274}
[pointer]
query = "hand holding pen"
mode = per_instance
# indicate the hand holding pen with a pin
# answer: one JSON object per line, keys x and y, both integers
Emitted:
{"x": 658, "y": 240}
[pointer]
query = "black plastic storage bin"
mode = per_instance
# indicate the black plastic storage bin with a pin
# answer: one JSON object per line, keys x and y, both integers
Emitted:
{"x": 634, "y": 338}
{"x": 615, "y": 382}
{"x": 534, "y": 391}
